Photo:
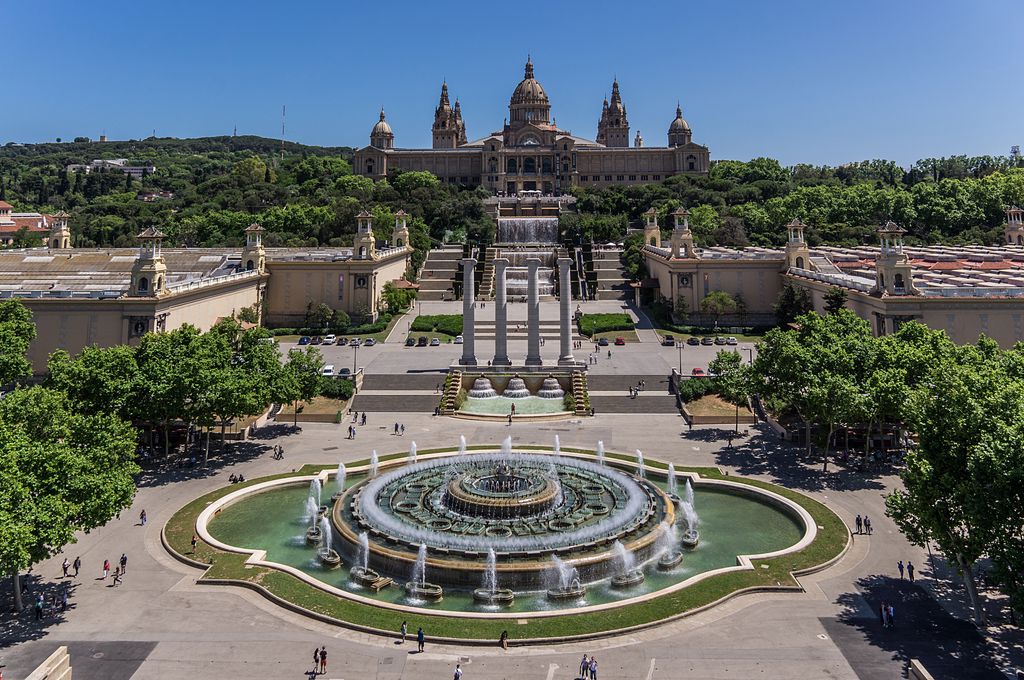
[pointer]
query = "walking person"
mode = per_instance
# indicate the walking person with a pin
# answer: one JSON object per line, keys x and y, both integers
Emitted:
{"x": 584, "y": 667}
{"x": 860, "y": 524}
{"x": 867, "y": 525}
{"x": 64, "y": 565}
{"x": 882, "y": 612}
{"x": 195, "y": 539}
{"x": 910, "y": 571}
{"x": 405, "y": 630}
{"x": 396, "y": 429}
{"x": 316, "y": 660}
{"x": 402, "y": 433}
{"x": 77, "y": 565}
{"x": 419, "y": 639}
{"x": 106, "y": 568}
{"x": 124, "y": 563}
{"x": 458, "y": 672}
{"x": 142, "y": 517}
{"x": 891, "y": 616}
{"x": 64, "y": 599}
{"x": 117, "y": 578}
{"x": 900, "y": 567}
{"x": 593, "y": 668}
{"x": 39, "y": 607}
{"x": 323, "y": 659}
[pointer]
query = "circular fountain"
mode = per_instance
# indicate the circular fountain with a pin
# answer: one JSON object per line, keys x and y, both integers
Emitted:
{"x": 482, "y": 389}
{"x": 516, "y": 388}
{"x": 551, "y": 389}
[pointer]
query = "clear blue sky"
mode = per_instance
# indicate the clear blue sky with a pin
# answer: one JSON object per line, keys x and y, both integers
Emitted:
{"x": 819, "y": 81}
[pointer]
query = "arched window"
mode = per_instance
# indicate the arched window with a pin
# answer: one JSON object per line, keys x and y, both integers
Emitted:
{"x": 529, "y": 166}
{"x": 143, "y": 284}
{"x": 56, "y": 243}
{"x": 691, "y": 162}
{"x": 799, "y": 263}
{"x": 399, "y": 242}
{"x": 362, "y": 252}
{"x": 1020, "y": 240}
{"x": 881, "y": 281}
{"x": 510, "y": 165}
{"x": 897, "y": 281}
{"x": 654, "y": 241}
{"x": 545, "y": 165}
{"x": 159, "y": 282}
{"x": 250, "y": 265}
{"x": 369, "y": 166}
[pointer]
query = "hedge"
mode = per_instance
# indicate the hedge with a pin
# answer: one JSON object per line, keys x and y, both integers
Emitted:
{"x": 336, "y": 388}
{"x": 602, "y": 323}
{"x": 449, "y": 324}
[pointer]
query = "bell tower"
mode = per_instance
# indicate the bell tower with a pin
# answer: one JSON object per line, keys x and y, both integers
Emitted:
{"x": 613, "y": 130}
{"x": 682, "y": 237}
{"x": 894, "y": 275}
{"x": 365, "y": 244}
{"x": 254, "y": 256}
{"x": 445, "y": 130}
{"x": 60, "y": 234}
{"x": 1013, "y": 233}
{"x": 149, "y": 273}
{"x": 400, "y": 236}
{"x": 798, "y": 255}
{"x": 652, "y": 232}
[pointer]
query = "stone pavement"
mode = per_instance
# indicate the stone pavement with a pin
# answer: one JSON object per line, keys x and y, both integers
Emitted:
{"x": 160, "y": 625}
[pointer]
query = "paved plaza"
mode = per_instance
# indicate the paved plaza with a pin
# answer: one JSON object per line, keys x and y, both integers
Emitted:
{"x": 160, "y": 625}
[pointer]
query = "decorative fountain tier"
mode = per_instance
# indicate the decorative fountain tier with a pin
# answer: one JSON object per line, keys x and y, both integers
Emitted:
{"x": 497, "y": 596}
{"x": 633, "y": 577}
{"x": 313, "y": 535}
{"x": 551, "y": 389}
{"x": 516, "y": 389}
{"x": 527, "y": 230}
{"x": 670, "y": 560}
{"x": 571, "y": 591}
{"x": 329, "y": 558}
{"x": 482, "y": 388}
{"x": 449, "y": 515}
{"x": 690, "y": 538}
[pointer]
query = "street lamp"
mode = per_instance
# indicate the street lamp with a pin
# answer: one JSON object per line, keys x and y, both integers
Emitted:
{"x": 679, "y": 344}
{"x": 355, "y": 362}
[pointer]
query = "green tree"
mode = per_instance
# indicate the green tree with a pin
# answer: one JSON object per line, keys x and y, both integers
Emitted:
{"x": 835, "y": 299}
{"x": 98, "y": 380}
{"x": 732, "y": 379}
{"x": 717, "y": 303}
{"x": 61, "y": 471}
{"x": 16, "y": 334}
{"x": 793, "y": 302}
{"x": 299, "y": 380}
{"x": 396, "y": 299}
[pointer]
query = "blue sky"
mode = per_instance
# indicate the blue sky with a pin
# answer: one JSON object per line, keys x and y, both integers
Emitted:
{"x": 816, "y": 81}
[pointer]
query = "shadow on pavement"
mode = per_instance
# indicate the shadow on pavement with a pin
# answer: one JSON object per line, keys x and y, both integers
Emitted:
{"x": 18, "y": 627}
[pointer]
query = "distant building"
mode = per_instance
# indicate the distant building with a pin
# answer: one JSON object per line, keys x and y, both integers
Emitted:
{"x": 153, "y": 196}
{"x": 115, "y": 164}
{"x": 36, "y": 225}
{"x": 531, "y": 153}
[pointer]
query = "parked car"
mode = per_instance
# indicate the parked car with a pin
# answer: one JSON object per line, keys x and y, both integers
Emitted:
{"x": 669, "y": 341}
{"x": 410, "y": 342}
{"x": 421, "y": 341}
{"x": 707, "y": 340}
{"x": 435, "y": 342}
{"x": 603, "y": 342}
{"x": 719, "y": 340}
{"x": 342, "y": 341}
{"x": 355, "y": 342}
{"x": 370, "y": 342}
{"x": 731, "y": 341}
{"x": 345, "y": 371}
{"x": 620, "y": 340}
{"x": 458, "y": 339}
{"x": 327, "y": 371}
{"x": 317, "y": 340}
{"x": 304, "y": 340}
{"x": 693, "y": 340}
{"x": 330, "y": 339}
{"x": 698, "y": 373}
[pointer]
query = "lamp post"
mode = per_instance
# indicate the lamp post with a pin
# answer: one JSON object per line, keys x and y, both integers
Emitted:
{"x": 680, "y": 346}
{"x": 355, "y": 362}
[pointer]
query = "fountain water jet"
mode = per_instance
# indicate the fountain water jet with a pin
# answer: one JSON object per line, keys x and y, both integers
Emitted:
{"x": 690, "y": 519}
{"x": 312, "y": 514}
{"x": 671, "y": 556}
{"x": 374, "y": 463}
{"x": 482, "y": 389}
{"x": 417, "y": 587}
{"x": 412, "y": 453}
{"x": 600, "y": 453}
{"x": 640, "y": 471}
{"x": 630, "y": 575}
{"x": 462, "y": 444}
{"x": 339, "y": 480}
{"x": 568, "y": 581}
{"x": 361, "y": 572}
{"x": 489, "y": 592}
{"x": 516, "y": 389}
{"x": 551, "y": 389}
{"x": 328, "y": 557}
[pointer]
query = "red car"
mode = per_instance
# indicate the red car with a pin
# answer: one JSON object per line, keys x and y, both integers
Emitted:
{"x": 698, "y": 373}
{"x": 620, "y": 340}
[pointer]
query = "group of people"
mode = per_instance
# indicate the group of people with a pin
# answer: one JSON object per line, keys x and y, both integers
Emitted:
{"x": 588, "y": 668}
{"x": 319, "y": 660}
{"x": 278, "y": 452}
{"x": 119, "y": 569}
{"x": 863, "y": 525}
{"x": 909, "y": 569}
{"x": 420, "y": 635}
{"x": 634, "y": 392}
{"x": 399, "y": 429}
{"x": 235, "y": 479}
{"x": 357, "y": 419}
{"x": 887, "y": 615}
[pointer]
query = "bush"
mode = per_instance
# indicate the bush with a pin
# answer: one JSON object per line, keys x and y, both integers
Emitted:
{"x": 568, "y": 402}
{"x": 602, "y": 323}
{"x": 336, "y": 388}
{"x": 695, "y": 388}
{"x": 283, "y": 331}
{"x": 449, "y": 324}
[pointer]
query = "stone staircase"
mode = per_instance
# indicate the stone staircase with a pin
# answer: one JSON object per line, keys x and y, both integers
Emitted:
{"x": 437, "y": 275}
{"x": 517, "y": 330}
{"x": 486, "y": 291}
{"x": 579, "y": 389}
{"x": 451, "y": 392}
{"x": 610, "y": 276}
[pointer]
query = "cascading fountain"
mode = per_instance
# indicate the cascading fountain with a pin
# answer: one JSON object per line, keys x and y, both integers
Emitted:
{"x": 540, "y": 230}
{"x": 516, "y": 388}
{"x": 412, "y": 453}
{"x": 691, "y": 537}
{"x": 671, "y": 555}
{"x": 328, "y": 556}
{"x": 339, "y": 482}
{"x": 628, "y": 575}
{"x": 489, "y": 592}
{"x": 600, "y": 453}
{"x": 567, "y": 581}
{"x": 417, "y": 587}
{"x": 482, "y": 389}
{"x": 640, "y": 471}
{"x": 374, "y": 463}
{"x": 551, "y": 389}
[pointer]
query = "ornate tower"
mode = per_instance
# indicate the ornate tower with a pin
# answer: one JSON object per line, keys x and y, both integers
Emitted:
{"x": 400, "y": 236}
{"x": 60, "y": 234}
{"x": 602, "y": 124}
{"x": 894, "y": 275}
{"x": 149, "y": 273}
{"x": 652, "y": 232}
{"x": 445, "y": 130}
{"x": 682, "y": 237}
{"x": 638, "y": 141}
{"x": 365, "y": 246}
{"x": 613, "y": 130}
{"x": 460, "y": 125}
{"x": 381, "y": 136}
{"x": 798, "y": 255}
{"x": 529, "y": 102}
{"x": 1014, "y": 230}
{"x": 254, "y": 256}
{"x": 679, "y": 130}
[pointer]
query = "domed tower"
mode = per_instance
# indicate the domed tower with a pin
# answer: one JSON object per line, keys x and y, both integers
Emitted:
{"x": 679, "y": 131}
{"x": 60, "y": 234}
{"x": 381, "y": 136}
{"x": 529, "y": 103}
{"x": 445, "y": 128}
{"x": 614, "y": 126}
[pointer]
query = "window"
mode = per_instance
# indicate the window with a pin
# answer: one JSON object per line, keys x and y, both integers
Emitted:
{"x": 565, "y": 147}
{"x": 657, "y": 177}
{"x": 607, "y": 178}
{"x": 643, "y": 178}
{"x": 545, "y": 166}
{"x": 369, "y": 166}
{"x": 530, "y": 166}
{"x": 249, "y": 265}
{"x": 510, "y": 165}
{"x": 361, "y": 282}
{"x": 632, "y": 178}
{"x": 565, "y": 168}
{"x": 691, "y": 162}
{"x": 897, "y": 282}
{"x": 143, "y": 284}
{"x": 619, "y": 178}
{"x": 799, "y": 263}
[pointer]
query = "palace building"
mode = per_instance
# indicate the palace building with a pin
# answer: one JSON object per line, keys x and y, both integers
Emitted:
{"x": 531, "y": 153}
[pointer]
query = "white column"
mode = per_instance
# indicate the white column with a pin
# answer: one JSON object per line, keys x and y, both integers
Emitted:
{"x": 468, "y": 313}
{"x": 533, "y": 314}
{"x": 565, "y": 356}
{"x": 500, "y": 314}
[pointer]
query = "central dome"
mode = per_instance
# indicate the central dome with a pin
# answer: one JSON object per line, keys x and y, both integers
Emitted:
{"x": 529, "y": 91}
{"x": 529, "y": 103}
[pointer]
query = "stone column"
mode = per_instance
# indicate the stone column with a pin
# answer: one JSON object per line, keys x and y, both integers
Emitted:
{"x": 533, "y": 314}
{"x": 565, "y": 356}
{"x": 500, "y": 314}
{"x": 468, "y": 313}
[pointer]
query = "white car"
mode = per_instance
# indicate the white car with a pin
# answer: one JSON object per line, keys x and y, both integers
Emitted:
{"x": 731, "y": 341}
{"x": 327, "y": 371}
{"x": 435, "y": 342}
{"x": 458, "y": 339}
{"x": 330, "y": 339}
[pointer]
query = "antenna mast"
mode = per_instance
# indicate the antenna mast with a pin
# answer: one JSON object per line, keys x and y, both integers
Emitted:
{"x": 283, "y": 112}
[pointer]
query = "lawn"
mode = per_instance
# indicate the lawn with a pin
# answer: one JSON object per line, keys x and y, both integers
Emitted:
{"x": 714, "y": 405}
{"x": 777, "y": 573}
{"x": 319, "y": 406}
{"x": 628, "y": 336}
